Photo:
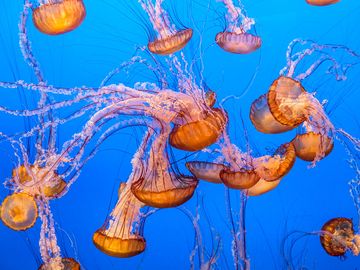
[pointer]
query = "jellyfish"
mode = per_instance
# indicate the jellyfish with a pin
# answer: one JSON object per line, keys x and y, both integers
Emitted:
{"x": 121, "y": 235}
{"x": 168, "y": 39}
{"x": 235, "y": 38}
{"x": 287, "y": 104}
{"x": 67, "y": 264}
{"x": 322, "y": 2}
{"x": 19, "y": 211}
{"x": 156, "y": 184}
{"x": 207, "y": 171}
{"x": 338, "y": 236}
{"x": 55, "y": 17}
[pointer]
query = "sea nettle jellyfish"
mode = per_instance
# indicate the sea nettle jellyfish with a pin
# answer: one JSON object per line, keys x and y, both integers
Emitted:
{"x": 54, "y": 17}
{"x": 338, "y": 236}
{"x": 287, "y": 104}
{"x": 157, "y": 184}
{"x": 207, "y": 171}
{"x": 19, "y": 211}
{"x": 121, "y": 234}
{"x": 168, "y": 39}
{"x": 321, "y": 2}
{"x": 235, "y": 38}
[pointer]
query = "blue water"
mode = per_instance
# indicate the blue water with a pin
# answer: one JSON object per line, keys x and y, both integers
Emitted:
{"x": 110, "y": 34}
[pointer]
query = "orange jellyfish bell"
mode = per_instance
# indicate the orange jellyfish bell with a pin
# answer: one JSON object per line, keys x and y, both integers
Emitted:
{"x": 287, "y": 101}
{"x": 40, "y": 181}
{"x": 207, "y": 171}
{"x": 271, "y": 168}
{"x": 322, "y": 2}
{"x": 54, "y": 18}
{"x": 118, "y": 247}
{"x": 262, "y": 187}
{"x": 262, "y": 118}
{"x": 19, "y": 211}
{"x": 67, "y": 264}
{"x": 242, "y": 179}
{"x": 164, "y": 190}
{"x": 338, "y": 236}
{"x": 242, "y": 43}
{"x": 171, "y": 44}
{"x": 199, "y": 134}
{"x": 309, "y": 145}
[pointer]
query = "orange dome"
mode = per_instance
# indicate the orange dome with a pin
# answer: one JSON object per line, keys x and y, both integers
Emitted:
{"x": 243, "y": 179}
{"x": 321, "y": 2}
{"x": 68, "y": 263}
{"x": 60, "y": 17}
{"x": 171, "y": 44}
{"x": 207, "y": 171}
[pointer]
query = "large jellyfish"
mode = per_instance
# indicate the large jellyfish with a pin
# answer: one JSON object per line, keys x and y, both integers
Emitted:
{"x": 168, "y": 39}
{"x": 54, "y": 17}
{"x": 287, "y": 104}
{"x": 235, "y": 38}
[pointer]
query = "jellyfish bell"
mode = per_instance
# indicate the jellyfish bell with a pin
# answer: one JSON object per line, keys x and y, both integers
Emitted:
{"x": 262, "y": 187}
{"x": 39, "y": 181}
{"x": 19, "y": 211}
{"x": 338, "y": 236}
{"x": 118, "y": 247}
{"x": 262, "y": 118}
{"x": 287, "y": 101}
{"x": 271, "y": 168}
{"x": 310, "y": 145}
{"x": 207, "y": 171}
{"x": 200, "y": 134}
{"x": 58, "y": 17}
{"x": 239, "y": 43}
{"x": 164, "y": 189}
{"x": 171, "y": 44}
{"x": 66, "y": 264}
{"x": 322, "y": 2}
{"x": 243, "y": 179}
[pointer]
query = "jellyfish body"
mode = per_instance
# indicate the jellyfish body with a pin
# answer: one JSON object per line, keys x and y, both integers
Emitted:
{"x": 19, "y": 211}
{"x": 171, "y": 44}
{"x": 338, "y": 236}
{"x": 207, "y": 171}
{"x": 239, "y": 43}
{"x": 54, "y": 18}
{"x": 243, "y": 179}
{"x": 120, "y": 236}
{"x": 262, "y": 187}
{"x": 287, "y": 101}
{"x": 67, "y": 264}
{"x": 309, "y": 145}
{"x": 322, "y": 2}
{"x": 39, "y": 181}
{"x": 271, "y": 168}
{"x": 263, "y": 119}
{"x": 199, "y": 134}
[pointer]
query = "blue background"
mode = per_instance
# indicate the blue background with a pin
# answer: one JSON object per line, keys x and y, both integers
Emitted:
{"x": 112, "y": 30}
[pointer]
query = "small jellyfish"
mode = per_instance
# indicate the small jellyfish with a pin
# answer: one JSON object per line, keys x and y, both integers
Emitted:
{"x": 156, "y": 184}
{"x": 243, "y": 179}
{"x": 19, "y": 211}
{"x": 235, "y": 38}
{"x": 271, "y": 168}
{"x": 338, "y": 236}
{"x": 67, "y": 264}
{"x": 120, "y": 236}
{"x": 168, "y": 39}
{"x": 207, "y": 171}
{"x": 322, "y": 2}
{"x": 309, "y": 144}
{"x": 199, "y": 134}
{"x": 58, "y": 17}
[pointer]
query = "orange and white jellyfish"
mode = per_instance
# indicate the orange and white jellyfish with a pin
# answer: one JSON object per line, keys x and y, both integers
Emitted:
{"x": 54, "y": 17}
{"x": 121, "y": 234}
{"x": 156, "y": 183}
{"x": 338, "y": 236}
{"x": 168, "y": 39}
{"x": 322, "y": 2}
{"x": 235, "y": 38}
